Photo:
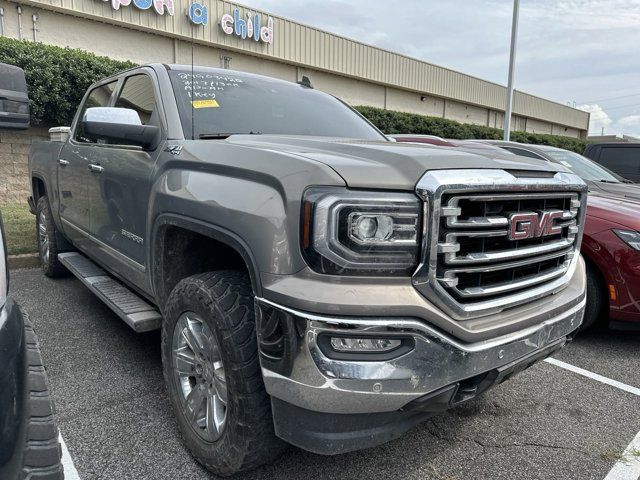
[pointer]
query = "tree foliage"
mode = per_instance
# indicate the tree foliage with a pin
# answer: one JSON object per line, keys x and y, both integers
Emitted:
{"x": 392, "y": 122}
{"x": 57, "y": 77}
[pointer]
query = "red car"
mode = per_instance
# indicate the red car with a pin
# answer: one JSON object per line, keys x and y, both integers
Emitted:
{"x": 611, "y": 242}
{"x": 611, "y": 246}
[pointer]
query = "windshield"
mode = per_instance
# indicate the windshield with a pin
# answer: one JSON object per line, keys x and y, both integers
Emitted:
{"x": 583, "y": 167}
{"x": 228, "y": 103}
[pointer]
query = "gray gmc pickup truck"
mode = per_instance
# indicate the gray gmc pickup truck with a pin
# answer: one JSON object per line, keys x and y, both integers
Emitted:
{"x": 316, "y": 283}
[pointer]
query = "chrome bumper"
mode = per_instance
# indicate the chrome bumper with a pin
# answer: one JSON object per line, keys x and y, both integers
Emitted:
{"x": 305, "y": 377}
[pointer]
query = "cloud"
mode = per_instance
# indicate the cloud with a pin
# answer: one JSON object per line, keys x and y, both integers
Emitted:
{"x": 629, "y": 125}
{"x": 599, "y": 120}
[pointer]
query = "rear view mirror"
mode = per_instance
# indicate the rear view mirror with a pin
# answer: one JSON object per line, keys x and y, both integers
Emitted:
{"x": 120, "y": 126}
{"x": 14, "y": 99}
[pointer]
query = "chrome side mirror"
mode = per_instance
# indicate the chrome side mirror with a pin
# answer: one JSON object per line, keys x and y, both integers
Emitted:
{"x": 119, "y": 126}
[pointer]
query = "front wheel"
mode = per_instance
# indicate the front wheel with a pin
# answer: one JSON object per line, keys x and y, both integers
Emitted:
{"x": 596, "y": 299}
{"x": 212, "y": 373}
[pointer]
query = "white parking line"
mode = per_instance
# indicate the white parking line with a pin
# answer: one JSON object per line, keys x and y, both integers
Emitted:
{"x": 70, "y": 472}
{"x": 628, "y": 467}
{"x": 594, "y": 376}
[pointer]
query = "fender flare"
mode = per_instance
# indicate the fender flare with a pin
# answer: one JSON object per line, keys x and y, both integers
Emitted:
{"x": 206, "y": 229}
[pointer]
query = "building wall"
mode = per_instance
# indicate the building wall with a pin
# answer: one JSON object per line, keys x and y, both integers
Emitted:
{"x": 14, "y": 151}
{"x": 358, "y": 73}
{"x": 413, "y": 102}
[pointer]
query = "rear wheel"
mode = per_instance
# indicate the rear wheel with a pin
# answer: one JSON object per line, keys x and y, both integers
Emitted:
{"x": 596, "y": 300}
{"x": 212, "y": 372}
{"x": 47, "y": 240}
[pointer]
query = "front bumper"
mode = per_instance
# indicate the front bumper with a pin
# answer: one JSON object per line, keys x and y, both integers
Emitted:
{"x": 302, "y": 375}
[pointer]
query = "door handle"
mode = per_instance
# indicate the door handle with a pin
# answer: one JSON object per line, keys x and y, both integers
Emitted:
{"x": 63, "y": 163}
{"x": 95, "y": 168}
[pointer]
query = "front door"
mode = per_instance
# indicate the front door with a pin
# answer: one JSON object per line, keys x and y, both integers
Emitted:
{"x": 74, "y": 174}
{"x": 120, "y": 187}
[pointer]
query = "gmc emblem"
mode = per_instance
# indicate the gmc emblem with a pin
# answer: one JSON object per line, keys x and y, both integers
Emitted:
{"x": 534, "y": 225}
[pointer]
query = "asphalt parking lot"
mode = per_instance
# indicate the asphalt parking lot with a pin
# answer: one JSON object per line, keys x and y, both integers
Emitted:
{"x": 547, "y": 423}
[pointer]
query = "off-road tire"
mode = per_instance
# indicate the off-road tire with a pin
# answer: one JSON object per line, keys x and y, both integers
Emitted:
{"x": 50, "y": 264}
{"x": 42, "y": 451}
{"x": 224, "y": 299}
{"x": 596, "y": 300}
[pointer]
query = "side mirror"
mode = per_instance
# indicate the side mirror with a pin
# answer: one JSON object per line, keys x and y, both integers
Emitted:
{"x": 121, "y": 126}
{"x": 14, "y": 99}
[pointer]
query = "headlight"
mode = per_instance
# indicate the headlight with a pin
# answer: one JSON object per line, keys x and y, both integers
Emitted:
{"x": 360, "y": 232}
{"x": 630, "y": 237}
{"x": 4, "y": 272}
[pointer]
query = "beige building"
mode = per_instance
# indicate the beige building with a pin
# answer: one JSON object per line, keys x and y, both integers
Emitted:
{"x": 230, "y": 35}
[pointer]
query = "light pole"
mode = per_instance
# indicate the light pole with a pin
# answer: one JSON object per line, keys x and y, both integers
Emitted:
{"x": 512, "y": 64}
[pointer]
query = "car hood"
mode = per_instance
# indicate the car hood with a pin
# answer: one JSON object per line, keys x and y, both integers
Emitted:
{"x": 627, "y": 190}
{"x": 380, "y": 164}
{"x": 615, "y": 208}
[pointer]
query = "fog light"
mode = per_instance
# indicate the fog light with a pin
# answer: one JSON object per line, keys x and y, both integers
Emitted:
{"x": 355, "y": 345}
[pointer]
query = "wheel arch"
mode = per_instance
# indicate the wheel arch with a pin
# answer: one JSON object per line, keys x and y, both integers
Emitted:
{"x": 169, "y": 224}
{"x": 592, "y": 265}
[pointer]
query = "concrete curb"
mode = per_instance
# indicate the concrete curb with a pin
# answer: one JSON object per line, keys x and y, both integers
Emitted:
{"x": 29, "y": 260}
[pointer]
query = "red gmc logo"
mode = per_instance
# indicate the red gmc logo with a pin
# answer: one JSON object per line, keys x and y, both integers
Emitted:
{"x": 534, "y": 225}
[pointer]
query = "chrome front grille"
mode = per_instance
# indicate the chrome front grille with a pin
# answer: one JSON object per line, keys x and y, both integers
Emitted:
{"x": 476, "y": 257}
{"x": 494, "y": 240}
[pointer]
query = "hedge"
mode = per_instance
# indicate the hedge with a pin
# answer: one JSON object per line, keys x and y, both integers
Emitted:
{"x": 391, "y": 122}
{"x": 57, "y": 77}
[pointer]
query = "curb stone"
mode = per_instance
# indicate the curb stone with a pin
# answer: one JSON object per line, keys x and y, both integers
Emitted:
{"x": 29, "y": 260}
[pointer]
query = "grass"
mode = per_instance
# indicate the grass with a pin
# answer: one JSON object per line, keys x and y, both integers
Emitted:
{"x": 625, "y": 458}
{"x": 19, "y": 228}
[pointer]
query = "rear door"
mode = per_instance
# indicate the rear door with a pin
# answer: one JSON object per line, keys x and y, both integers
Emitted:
{"x": 73, "y": 170}
{"x": 119, "y": 189}
{"x": 622, "y": 159}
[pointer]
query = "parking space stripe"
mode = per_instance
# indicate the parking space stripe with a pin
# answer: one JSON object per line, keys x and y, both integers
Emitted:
{"x": 628, "y": 467}
{"x": 594, "y": 376}
{"x": 70, "y": 472}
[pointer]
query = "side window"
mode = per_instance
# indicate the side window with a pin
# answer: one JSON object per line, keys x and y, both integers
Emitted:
{"x": 137, "y": 94}
{"x": 524, "y": 153}
{"x": 623, "y": 160}
{"x": 99, "y": 97}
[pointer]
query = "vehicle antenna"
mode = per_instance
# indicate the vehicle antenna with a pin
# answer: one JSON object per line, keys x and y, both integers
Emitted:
{"x": 193, "y": 127}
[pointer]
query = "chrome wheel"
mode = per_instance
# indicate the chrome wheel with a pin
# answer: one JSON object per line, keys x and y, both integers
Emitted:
{"x": 43, "y": 237}
{"x": 199, "y": 376}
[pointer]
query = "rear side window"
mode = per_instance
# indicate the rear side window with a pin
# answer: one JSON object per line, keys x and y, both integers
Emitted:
{"x": 622, "y": 160}
{"x": 137, "y": 94}
{"x": 99, "y": 97}
{"x": 12, "y": 78}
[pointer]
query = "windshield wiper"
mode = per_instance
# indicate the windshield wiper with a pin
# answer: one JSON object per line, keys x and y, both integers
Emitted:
{"x": 608, "y": 181}
{"x": 222, "y": 136}
{"x": 626, "y": 180}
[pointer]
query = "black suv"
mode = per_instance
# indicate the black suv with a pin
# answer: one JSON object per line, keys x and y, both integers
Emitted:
{"x": 622, "y": 158}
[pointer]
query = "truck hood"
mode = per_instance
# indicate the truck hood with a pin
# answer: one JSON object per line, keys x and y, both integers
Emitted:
{"x": 614, "y": 208}
{"x": 390, "y": 165}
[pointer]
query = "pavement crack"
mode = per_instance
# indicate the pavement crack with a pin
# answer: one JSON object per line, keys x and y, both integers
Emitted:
{"x": 484, "y": 446}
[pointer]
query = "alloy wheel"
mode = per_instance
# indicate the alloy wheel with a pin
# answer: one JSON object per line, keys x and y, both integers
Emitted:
{"x": 43, "y": 237}
{"x": 199, "y": 376}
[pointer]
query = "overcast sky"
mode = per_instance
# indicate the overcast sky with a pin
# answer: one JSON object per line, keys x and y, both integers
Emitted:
{"x": 582, "y": 51}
